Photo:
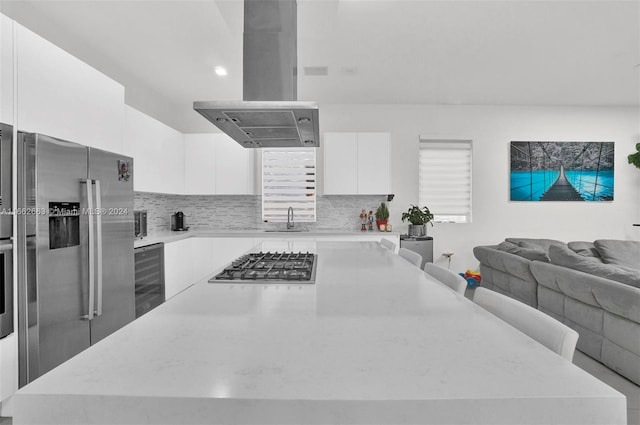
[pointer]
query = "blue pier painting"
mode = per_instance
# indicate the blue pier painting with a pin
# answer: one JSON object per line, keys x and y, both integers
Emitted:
{"x": 561, "y": 171}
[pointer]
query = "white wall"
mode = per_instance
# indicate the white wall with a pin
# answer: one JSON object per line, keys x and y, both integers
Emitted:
{"x": 492, "y": 128}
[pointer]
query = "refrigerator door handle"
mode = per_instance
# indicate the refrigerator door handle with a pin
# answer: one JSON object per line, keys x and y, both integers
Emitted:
{"x": 98, "y": 248}
{"x": 90, "y": 313}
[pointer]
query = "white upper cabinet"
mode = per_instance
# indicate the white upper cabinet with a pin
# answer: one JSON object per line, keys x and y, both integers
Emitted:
{"x": 374, "y": 171}
{"x": 340, "y": 163}
{"x": 357, "y": 163}
{"x": 217, "y": 165}
{"x": 234, "y": 167}
{"x": 158, "y": 152}
{"x": 6, "y": 70}
{"x": 63, "y": 97}
{"x": 199, "y": 171}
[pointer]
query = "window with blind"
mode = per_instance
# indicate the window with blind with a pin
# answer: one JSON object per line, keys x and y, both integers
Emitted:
{"x": 289, "y": 180}
{"x": 445, "y": 179}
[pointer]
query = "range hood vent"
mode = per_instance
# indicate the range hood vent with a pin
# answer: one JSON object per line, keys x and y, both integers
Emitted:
{"x": 269, "y": 114}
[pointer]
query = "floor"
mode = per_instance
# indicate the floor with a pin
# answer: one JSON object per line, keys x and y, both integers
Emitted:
{"x": 606, "y": 375}
{"x": 614, "y": 380}
{"x": 626, "y": 387}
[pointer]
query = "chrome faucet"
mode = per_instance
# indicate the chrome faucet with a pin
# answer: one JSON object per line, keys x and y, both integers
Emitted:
{"x": 290, "y": 218}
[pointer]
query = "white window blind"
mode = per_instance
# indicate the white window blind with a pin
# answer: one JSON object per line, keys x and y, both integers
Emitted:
{"x": 445, "y": 179}
{"x": 289, "y": 180}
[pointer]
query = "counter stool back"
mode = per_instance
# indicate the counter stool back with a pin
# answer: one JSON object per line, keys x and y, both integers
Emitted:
{"x": 545, "y": 329}
{"x": 388, "y": 244}
{"x": 447, "y": 277}
{"x": 411, "y": 256}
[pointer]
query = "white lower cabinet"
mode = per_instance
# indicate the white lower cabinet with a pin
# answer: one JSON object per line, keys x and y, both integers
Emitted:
{"x": 201, "y": 253}
{"x": 178, "y": 270}
{"x": 8, "y": 369}
{"x": 190, "y": 260}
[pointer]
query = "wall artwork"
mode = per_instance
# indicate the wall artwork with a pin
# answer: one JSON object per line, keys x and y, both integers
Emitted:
{"x": 561, "y": 171}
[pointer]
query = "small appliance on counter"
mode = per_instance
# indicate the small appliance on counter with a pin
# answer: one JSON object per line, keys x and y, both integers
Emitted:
{"x": 140, "y": 224}
{"x": 178, "y": 222}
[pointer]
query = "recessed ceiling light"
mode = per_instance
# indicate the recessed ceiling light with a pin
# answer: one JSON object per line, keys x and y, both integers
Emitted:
{"x": 220, "y": 70}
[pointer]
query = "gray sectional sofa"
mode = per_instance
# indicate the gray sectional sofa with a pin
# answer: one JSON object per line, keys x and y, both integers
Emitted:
{"x": 505, "y": 267}
{"x": 593, "y": 287}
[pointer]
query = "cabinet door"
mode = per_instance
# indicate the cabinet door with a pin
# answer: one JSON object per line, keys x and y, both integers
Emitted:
{"x": 234, "y": 167}
{"x": 373, "y": 163}
{"x": 340, "y": 163}
{"x": 199, "y": 164}
{"x": 63, "y": 97}
{"x": 177, "y": 267}
{"x": 6, "y": 70}
{"x": 202, "y": 258}
{"x": 8, "y": 366}
{"x": 158, "y": 151}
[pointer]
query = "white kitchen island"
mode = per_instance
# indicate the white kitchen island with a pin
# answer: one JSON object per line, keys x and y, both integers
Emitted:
{"x": 374, "y": 341}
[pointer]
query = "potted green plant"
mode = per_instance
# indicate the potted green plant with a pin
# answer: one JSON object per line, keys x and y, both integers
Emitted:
{"x": 634, "y": 158}
{"x": 382, "y": 216}
{"x": 418, "y": 218}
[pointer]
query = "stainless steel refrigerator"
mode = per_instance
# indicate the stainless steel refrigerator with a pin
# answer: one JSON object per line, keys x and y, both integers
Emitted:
{"x": 6, "y": 229}
{"x": 75, "y": 249}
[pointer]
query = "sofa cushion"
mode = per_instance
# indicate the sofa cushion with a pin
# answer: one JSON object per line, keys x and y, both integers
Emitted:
{"x": 586, "y": 249}
{"x": 563, "y": 256}
{"x": 543, "y": 244}
{"x": 528, "y": 253}
{"x": 622, "y": 253}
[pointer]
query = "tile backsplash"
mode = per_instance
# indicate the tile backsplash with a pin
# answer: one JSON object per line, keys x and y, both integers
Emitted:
{"x": 243, "y": 212}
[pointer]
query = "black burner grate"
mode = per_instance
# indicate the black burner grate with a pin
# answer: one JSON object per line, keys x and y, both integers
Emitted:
{"x": 271, "y": 267}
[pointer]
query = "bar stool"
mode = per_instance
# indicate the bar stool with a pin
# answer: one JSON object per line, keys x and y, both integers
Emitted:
{"x": 545, "y": 329}
{"x": 446, "y": 277}
{"x": 411, "y": 256}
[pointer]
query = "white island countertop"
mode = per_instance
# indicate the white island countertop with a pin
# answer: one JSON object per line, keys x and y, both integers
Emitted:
{"x": 168, "y": 236}
{"x": 374, "y": 341}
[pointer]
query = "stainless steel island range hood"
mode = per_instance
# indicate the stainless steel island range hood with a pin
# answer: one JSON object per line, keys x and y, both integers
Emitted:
{"x": 269, "y": 114}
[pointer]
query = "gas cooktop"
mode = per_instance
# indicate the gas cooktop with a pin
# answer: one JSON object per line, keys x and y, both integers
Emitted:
{"x": 270, "y": 267}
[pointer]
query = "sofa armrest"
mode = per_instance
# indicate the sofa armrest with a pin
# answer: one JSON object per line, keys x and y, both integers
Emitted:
{"x": 615, "y": 297}
{"x": 618, "y": 298}
{"x": 506, "y": 262}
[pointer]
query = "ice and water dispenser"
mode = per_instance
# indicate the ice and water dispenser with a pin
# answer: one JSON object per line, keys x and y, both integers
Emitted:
{"x": 64, "y": 224}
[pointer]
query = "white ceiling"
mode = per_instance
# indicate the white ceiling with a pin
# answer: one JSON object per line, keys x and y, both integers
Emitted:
{"x": 565, "y": 52}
